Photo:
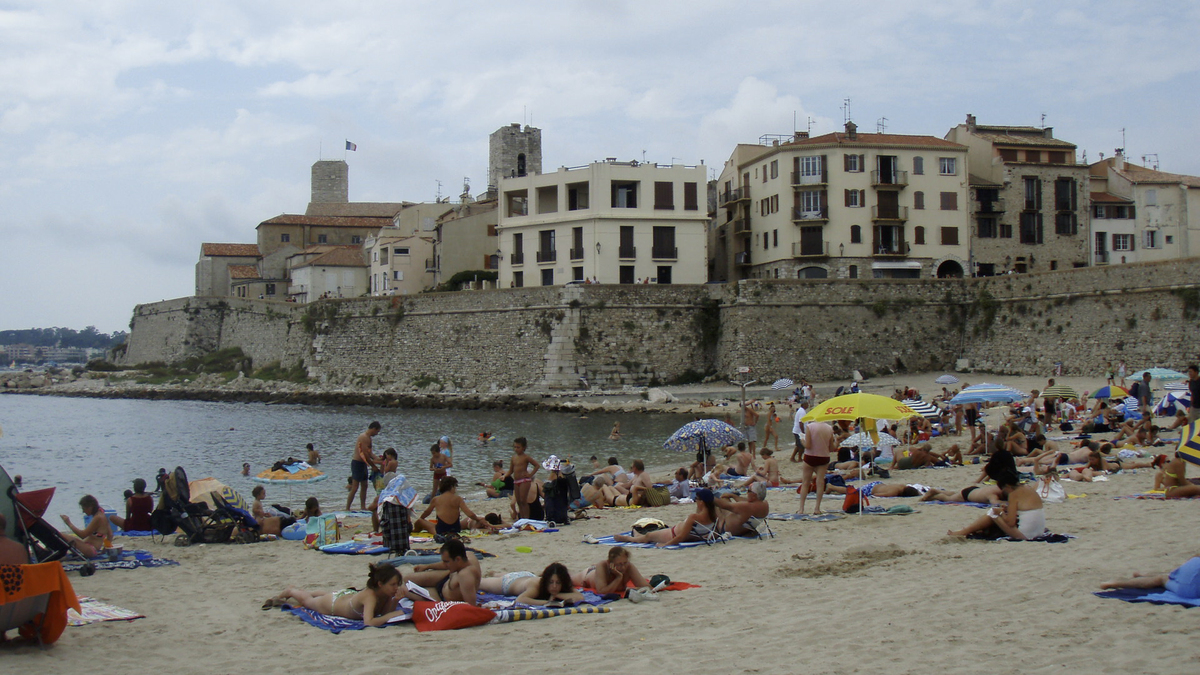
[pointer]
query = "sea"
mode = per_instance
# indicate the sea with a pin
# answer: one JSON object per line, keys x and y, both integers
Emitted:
{"x": 98, "y": 446}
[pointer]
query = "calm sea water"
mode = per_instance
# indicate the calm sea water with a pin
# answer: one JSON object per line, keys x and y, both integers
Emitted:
{"x": 98, "y": 446}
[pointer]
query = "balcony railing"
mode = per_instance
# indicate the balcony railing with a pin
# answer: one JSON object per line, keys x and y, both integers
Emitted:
{"x": 517, "y": 258}
{"x": 1101, "y": 257}
{"x": 819, "y": 249}
{"x": 735, "y": 195}
{"x": 547, "y": 256}
{"x": 889, "y": 179}
{"x": 742, "y": 258}
{"x": 881, "y": 250}
{"x": 889, "y": 212}
{"x": 577, "y": 253}
{"x": 626, "y": 252}
{"x": 800, "y": 178}
{"x": 989, "y": 206}
{"x": 741, "y": 226}
{"x": 664, "y": 253}
{"x": 806, "y": 216}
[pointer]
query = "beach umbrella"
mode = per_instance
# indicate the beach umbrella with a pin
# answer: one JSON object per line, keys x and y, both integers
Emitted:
{"x": 988, "y": 393}
{"x": 1171, "y": 403}
{"x": 1189, "y": 445}
{"x": 947, "y": 379}
{"x": 782, "y": 383}
{"x": 863, "y": 440}
{"x": 854, "y": 406}
{"x": 1060, "y": 391}
{"x": 1110, "y": 391}
{"x": 1159, "y": 374}
{"x": 701, "y": 434}
{"x": 923, "y": 408}
{"x": 1176, "y": 386}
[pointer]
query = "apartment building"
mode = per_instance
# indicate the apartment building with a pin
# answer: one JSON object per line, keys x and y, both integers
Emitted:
{"x": 338, "y": 273}
{"x": 466, "y": 239}
{"x": 212, "y": 269}
{"x": 609, "y": 222}
{"x": 399, "y": 264}
{"x": 1140, "y": 214}
{"x": 843, "y": 205}
{"x": 1029, "y": 199}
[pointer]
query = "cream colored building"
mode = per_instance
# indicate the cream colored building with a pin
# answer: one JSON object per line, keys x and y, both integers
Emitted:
{"x": 609, "y": 222}
{"x": 1141, "y": 214}
{"x": 844, "y": 205}
{"x": 212, "y": 269}
{"x": 466, "y": 239}
{"x": 399, "y": 264}
{"x": 340, "y": 273}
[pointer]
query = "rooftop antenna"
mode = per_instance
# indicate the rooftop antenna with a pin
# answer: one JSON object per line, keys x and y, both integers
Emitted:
{"x": 810, "y": 121}
{"x": 1043, "y": 120}
{"x": 881, "y": 125}
{"x": 643, "y": 156}
{"x": 438, "y": 198}
{"x": 793, "y": 122}
{"x": 1151, "y": 159}
{"x": 1123, "y": 146}
{"x": 845, "y": 110}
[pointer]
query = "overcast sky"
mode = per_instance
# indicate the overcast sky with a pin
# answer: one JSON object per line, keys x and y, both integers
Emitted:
{"x": 134, "y": 131}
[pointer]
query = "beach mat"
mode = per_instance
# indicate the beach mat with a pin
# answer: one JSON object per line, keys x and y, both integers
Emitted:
{"x": 610, "y": 541}
{"x": 94, "y": 611}
{"x": 428, "y": 556}
{"x": 975, "y": 504}
{"x": 337, "y": 624}
{"x": 1044, "y": 538}
{"x": 823, "y": 518}
{"x": 499, "y": 602}
{"x": 129, "y": 560}
{"x": 510, "y": 615}
{"x": 1157, "y": 597}
{"x": 354, "y": 548}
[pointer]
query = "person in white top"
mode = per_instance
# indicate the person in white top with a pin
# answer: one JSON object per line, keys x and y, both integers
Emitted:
{"x": 798, "y": 433}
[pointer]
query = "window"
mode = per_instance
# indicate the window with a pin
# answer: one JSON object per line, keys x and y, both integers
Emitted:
{"x": 1033, "y": 156}
{"x": 854, "y": 271}
{"x": 518, "y": 279}
{"x": 1031, "y": 228}
{"x": 689, "y": 197}
{"x": 626, "y": 248}
{"x": 518, "y": 252}
{"x": 918, "y": 166}
{"x": 1008, "y": 154}
{"x": 1098, "y": 211}
{"x": 774, "y": 203}
{"x": 810, "y": 166}
{"x": 986, "y": 228}
{"x": 948, "y": 166}
{"x": 383, "y": 256}
{"x": 375, "y": 256}
{"x": 764, "y": 173}
{"x": 285, "y": 238}
{"x": 664, "y": 275}
{"x": 1065, "y": 223}
{"x": 1122, "y": 242}
{"x": 766, "y": 239}
{"x": 516, "y": 203}
{"x": 774, "y": 168}
{"x": 949, "y": 236}
{"x": 856, "y": 198}
{"x": 919, "y": 235}
{"x": 546, "y": 249}
{"x": 1033, "y": 193}
{"x": 270, "y": 289}
{"x": 577, "y": 273}
{"x": 853, "y": 163}
{"x": 663, "y": 244}
{"x": 810, "y": 201}
{"x": 918, "y": 200}
{"x": 521, "y": 164}
{"x": 398, "y": 275}
{"x": 1150, "y": 239}
{"x": 1064, "y": 194}
{"x": 1053, "y": 265}
{"x": 548, "y": 276}
{"x": 625, "y": 274}
{"x": 1170, "y": 239}
{"x": 403, "y": 250}
{"x": 1151, "y": 197}
{"x": 322, "y": 239}
{"x": 855, "y": 234}
{"x": 355, "y": 239}
{"x": 664, "y": 195}
{"x": 1056, "y": 157}
{"x": 624, "y": 195}
{"x": 1006, "y": 231}
{"x": 949, "y": 201}
{"x": 775, "y": 238}
{"x": 986, "y": 270}
{"x": 577, "y": 196}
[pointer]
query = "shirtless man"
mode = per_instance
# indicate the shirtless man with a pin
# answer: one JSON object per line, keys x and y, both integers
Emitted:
{"x": 519, "y": 470}
{"x": 738, "y": 512}
{"x": 440, "y": 463}
{"x": 750, "y": 425}
{"x": 450, "y": 507}
{"x": 640, "y": 484}
{"x": 818, "y": 446}
{"x": 364, "y": 460}
{"x": 456, "y": 578}
{"x": 90, "y": 540}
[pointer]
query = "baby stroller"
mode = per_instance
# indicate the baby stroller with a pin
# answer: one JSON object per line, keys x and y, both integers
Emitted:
{"x": 23, "y": 513}
{"x": 196, "y": 521}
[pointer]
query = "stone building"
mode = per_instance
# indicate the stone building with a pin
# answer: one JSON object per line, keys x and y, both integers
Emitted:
{"x": 330, "y": 182}
{"x": 1029, "y": 199}
{"x": 212, "y": 269}
{"x": 615, "y": 222}
{"x": 514, "y": 152}
{"x": 843, "y": 205}
{"x": 339, "y": 273}
{"x": 1139, "y": 214}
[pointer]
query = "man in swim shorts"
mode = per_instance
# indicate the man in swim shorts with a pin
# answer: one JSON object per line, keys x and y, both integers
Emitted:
{"x": 364, "y": 460}
{"x": 750, "y": 425}
{"x": 818, "y": 446}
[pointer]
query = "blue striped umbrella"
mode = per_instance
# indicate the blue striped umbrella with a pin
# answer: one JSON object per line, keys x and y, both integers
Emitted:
{"x": 1172, "y": 403}
{"x": 709, "y": 434}
{"x": 1189, "y": 445}
{"x": 1159, "y": 374}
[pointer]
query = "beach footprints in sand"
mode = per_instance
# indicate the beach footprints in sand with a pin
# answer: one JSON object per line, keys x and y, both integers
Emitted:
{"x": 853, "y": 562}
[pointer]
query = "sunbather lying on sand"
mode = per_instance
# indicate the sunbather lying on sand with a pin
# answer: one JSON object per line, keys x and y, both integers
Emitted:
{"x": 613, "y": 574}
{"x": 980, "y": 494}
{"x": 373, "y": 606}
{"x": 1183, "y": 580}
{"x": 553, "y": 585}
{"x": 457, "y": 577}
{"x": 695, "y": 527}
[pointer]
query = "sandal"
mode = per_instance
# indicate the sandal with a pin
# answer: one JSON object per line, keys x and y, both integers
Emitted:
{"x": 272, "y": 603}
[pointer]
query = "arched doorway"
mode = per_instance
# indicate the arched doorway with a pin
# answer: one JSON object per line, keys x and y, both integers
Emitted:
{"x": 812, "y": 273}
{"x": 950, "y": 270}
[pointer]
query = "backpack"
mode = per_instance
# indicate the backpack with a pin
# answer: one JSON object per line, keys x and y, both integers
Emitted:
{"x": 854, "y": 500}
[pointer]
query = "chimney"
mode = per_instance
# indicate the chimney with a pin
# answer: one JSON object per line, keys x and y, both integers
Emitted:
{"x": 800, "y": 135}
{"x": 1119, "y": 159}
{"x": 851, "y": 131}
{"x": 1048, "y": 132}
{"x": 970, "y": 122}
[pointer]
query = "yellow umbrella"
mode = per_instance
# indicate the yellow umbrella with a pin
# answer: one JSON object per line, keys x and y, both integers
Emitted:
{"x": 853, "y": 406}
{"x": 1189, "y": 445}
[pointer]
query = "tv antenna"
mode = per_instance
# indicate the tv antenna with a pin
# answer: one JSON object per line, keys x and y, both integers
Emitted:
{"x": 1151, "y": 159}
{"x": 881, "y": 125}
{"x": 1043, "y": 120}
{"x": 1123, "y": 146}
{"x": 810, "y": 122}
{"x": 845, "y": 110}
{"x": 438, "y": 198}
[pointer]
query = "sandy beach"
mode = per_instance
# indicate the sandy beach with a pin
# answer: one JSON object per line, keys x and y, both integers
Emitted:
{"x": 860, "y": 594}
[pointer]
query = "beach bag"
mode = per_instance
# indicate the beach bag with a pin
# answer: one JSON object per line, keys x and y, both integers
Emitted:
{"x": 658, "y": 496}
{"x": 854, "y": 500}
{"x": 644, "y": 525}
{"x": 395, "y": 526}
{"x": 1051, "y": 491}
{"x": 321, "y": 531}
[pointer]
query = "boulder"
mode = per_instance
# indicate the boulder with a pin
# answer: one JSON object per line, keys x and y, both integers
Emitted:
{"x": 656, "y": 395}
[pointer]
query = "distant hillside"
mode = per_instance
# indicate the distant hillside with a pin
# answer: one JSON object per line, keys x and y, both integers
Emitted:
{"x": 63, "y": 337}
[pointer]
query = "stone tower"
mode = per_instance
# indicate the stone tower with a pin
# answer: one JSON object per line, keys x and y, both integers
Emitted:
{"x": 330, "y": 182}
{"x": 513, "y": 151}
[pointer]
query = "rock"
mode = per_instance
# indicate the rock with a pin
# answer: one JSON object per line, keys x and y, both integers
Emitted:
{"x": 656, "y": 395}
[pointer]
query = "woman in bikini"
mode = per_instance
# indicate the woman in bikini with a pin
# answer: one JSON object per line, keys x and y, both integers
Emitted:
{"x": 772, "y": 418}
{"x": 92, "y": 539}
{"x": 374, "y": 606}
{"x": 694, "y": 528}
{"x": 979, "y": 494}
{"x": 615, "y": 435}
{"x": 554, "y": 585}
{"x": 450, "y": 508}
{"x": 1175, "y": 480}
{"x": 613, "y": 575}
{"x": 1021, "y": 517}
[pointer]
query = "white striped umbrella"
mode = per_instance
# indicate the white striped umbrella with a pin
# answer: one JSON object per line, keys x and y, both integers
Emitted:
{"x": 947, "y": 379}
{"x": 864, "y": 440}
{"x": 926, "y": 410}
{"x": 782, "y": 383}
{"x": 1176, "y": 386}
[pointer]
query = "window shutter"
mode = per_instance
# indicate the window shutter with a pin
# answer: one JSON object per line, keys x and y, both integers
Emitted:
{"x": 824, "y": 200}
{"x": 862, "y": 163}
{"x": 1039, "y": 228}
{"x": 824, "y": 169}
{"x": 847, "y": 197}
{"x": 846, "y": 164}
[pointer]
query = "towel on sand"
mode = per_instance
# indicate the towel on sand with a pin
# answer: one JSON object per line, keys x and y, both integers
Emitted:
{"x": 92, "y": 610}
{"x": 1155, "y": 596}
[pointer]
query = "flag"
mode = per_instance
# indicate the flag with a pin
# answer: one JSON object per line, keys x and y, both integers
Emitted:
{"x": 351, "y": 146}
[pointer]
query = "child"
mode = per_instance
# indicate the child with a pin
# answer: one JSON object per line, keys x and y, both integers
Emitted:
{"x": 314, "y": 457}
{"x": 500, "y": 485}
{"x": 522, "y": 477}
{"x": 450, "y": 507}
{"x": 439, "y": 463}
{"x": 374, "y": 606}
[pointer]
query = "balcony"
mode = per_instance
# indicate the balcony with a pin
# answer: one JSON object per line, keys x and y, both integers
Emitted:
{"x": 800, "y": 179}
{"x": 626, "y": 252}
{"x": 430, "y": 266}
{"x": 897, "y": 213}
{"x": 816, "y": 249}
{"x": 990, "y": 206}
{"x": 1101, "y": 257}
{"x": 800, "y": 215}
{"x": 547, "y": 256}
{"x": 742, "y": 259}
{"x": 517, "y": 258}
{"x": 893, "y": 249}
{"x": 741, "y": 226}
{"x": 664, "y": 253}
{"x": 735, "y": 195}
{"x": 889, "y": 179}
{"x": 577, "y": 253}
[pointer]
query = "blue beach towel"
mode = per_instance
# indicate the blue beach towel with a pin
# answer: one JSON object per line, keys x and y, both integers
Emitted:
{"x": 1157, "y": 597}
{"x": 823, "y": 518}
{"x": 335, "y": 624}
{"x": 355, "y": 548}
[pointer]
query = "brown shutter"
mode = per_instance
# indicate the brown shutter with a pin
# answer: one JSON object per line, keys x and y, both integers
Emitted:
{"x": 845, "y": 163}
{"x": 847, "y": 197}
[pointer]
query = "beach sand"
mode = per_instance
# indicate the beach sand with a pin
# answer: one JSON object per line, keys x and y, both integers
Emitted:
{"x": 881, "y": 594}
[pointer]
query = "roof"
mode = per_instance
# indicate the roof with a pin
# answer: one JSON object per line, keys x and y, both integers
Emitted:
{"x": 342, "y": 257}
{"x": 1109, "y": 198}
{"x": 976, "y": 181}
{"x": 329, "y": 221}
{"x": 231, "y": 250}
{"x": 356, "y": 209}
{"x": 1140, "y": 174}
{"x": 868, "y": 140}
{"x": 243, "y": 272}
{"x": 1018, "y": 136}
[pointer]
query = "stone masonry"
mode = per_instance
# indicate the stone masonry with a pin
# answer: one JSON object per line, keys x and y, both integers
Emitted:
{"x": 513, "y": 151}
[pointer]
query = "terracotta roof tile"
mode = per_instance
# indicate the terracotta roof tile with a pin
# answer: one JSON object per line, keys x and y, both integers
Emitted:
{"x": 868, "y": 140}
{"x": 243, "y": 272}
{"x": 233, "y": 250}
{"x": 329, "y": 221}
{"x": 1140, "y": 174}
{"x": 342, "y": 257}
{"x": 356, "y": 209}
{"x": 1108, "y": 198}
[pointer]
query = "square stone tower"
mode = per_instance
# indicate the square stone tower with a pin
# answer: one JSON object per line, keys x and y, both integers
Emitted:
{"x": 513, "y": 151}
{"x": 330, "y": 182}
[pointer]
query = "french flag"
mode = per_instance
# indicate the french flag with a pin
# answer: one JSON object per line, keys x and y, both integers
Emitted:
{"x": 351, "y": 146}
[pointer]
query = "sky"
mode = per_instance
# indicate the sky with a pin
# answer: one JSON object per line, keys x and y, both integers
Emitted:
{"x": 133, "y": 131}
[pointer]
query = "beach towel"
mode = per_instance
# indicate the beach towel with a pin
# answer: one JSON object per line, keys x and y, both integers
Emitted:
{"x": 427, "y": 556}
{"x": 1155, "y": 596}
{"x": 25, "y": 582}
{"x": 498, "y": 602}
{"x": 610, "y": 541}
{"x": 1044, "y": 538}
{"x": 823, "y": 518}
{"x": 92, "y": 610}
{"x": 129, "y": 560}
{"x": 337, "y": 624}
{"x": 975, "y": 504}
{"x": 354, "y": 548}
